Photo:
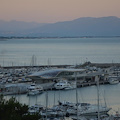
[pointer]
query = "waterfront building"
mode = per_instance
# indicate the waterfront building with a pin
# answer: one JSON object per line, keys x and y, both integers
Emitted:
{"x": 51, "y": 75}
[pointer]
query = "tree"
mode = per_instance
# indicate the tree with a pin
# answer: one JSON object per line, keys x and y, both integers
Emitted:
{"x": 13, "y": 110}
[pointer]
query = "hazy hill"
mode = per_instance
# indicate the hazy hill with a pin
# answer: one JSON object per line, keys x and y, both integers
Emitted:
{"x": 87, "y": 26}
{"x": 9, "y": 28}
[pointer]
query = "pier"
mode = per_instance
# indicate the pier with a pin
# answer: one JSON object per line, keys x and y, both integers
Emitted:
{"x": 91, "y": 83}
{"x": 50, "y": 86}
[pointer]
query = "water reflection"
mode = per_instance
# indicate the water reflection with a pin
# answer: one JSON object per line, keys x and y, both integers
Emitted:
{"x": 108, "y": 93}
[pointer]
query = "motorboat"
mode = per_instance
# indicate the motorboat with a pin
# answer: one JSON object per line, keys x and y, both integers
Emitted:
{"x": 34, "y": 92}
{"x": 64, "y": 84}
{"x": 35, "y": 108}
{"x": 116, "y": 116}
{"x": 34, "y": 89}
{"x": 66, "y": 103}
{"x": 32, "y": 86}
{"x": 113, "y": 80}
{"x": 48, "y": 112}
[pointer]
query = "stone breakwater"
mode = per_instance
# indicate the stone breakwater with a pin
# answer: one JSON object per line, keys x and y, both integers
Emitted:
{"x": 101, "y": 65}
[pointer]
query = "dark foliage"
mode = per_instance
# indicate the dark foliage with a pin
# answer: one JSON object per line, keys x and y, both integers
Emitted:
{"x": 13, "y": 110}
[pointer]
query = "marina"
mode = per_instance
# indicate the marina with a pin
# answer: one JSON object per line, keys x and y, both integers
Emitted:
{"x": 85, "y": 95}
{"x": 60, "y": 60}
{"x": 39, "y": 84}
{"x": 17, "y": 80}
{"x": 59, "y": 87}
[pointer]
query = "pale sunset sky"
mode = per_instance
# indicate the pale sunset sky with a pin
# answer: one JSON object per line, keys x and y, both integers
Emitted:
{"x": 50, "y": 11}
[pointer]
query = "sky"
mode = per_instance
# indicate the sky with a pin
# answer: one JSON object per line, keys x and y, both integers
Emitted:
{"x": 51, "y": 11}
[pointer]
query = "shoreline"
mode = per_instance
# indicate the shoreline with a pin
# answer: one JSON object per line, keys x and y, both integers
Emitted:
{"x": 53, "y": 37}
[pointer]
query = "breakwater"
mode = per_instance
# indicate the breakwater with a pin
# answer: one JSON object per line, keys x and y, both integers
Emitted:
{"x": 100, "y": 65}
{"x": 37, "y": 66}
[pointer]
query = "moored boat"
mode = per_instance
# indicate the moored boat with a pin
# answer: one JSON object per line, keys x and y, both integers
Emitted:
{"x": 35, "y": 92}
{"x": 64, "y": 84}
{"x": 34, "y": 89}
{"x": 113, "y": 80}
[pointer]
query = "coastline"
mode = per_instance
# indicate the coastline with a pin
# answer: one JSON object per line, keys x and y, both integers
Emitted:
{"x": 53, "y": 37}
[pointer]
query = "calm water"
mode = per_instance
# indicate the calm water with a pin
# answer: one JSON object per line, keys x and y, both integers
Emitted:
{"x": 65, "y": 51}
{"x": 108, "y": 93}
{"x": 59, "y": 51}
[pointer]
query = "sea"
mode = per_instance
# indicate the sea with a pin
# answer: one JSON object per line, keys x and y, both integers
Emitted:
{"x": 109, "y": 95}
{"x": 59, "y": 51}
{"x": 68, "y": 51}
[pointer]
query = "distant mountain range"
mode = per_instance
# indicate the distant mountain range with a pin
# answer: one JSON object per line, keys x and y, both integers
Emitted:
{"x": 86, "y": 26}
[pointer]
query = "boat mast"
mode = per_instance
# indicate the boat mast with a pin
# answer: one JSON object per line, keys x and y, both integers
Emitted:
{"x": 76, "y": 93}
{"x": 98, "y": 98}
{"x": 59, "y": 92}
{"x": 46, "y": 103}
{"x": 54, "y": 97}
{"x": 105, "y": 100}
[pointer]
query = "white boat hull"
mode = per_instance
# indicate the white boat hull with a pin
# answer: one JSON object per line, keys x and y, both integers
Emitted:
{"x": 95, "y": 112}
{"x": 65, "y": 85}
{"x": 34, "y": 92}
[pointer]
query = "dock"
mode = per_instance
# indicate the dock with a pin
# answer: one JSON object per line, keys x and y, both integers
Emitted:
{"x": 91, "y": 83}
{"x": 50, "y": 86}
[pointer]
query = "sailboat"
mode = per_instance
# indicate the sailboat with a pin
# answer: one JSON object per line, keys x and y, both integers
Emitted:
{"x": 95, "y": 110}
{"x": 88, "y": 109}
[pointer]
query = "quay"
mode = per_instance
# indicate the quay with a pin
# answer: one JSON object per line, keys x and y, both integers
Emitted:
{"x": 50, "y": 86}
{"x": 46, "y": 86}
{"x": 92, "y": 83}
